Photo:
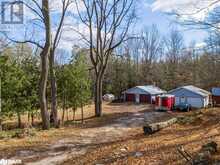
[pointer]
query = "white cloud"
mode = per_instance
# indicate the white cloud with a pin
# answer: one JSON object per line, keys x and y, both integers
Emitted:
{"x": 200, "y": 45}
{"x": 56, "y": 6}
{"x": 196, "y": 9}
{"x": 70, "y": 37}
{"x": 32, "y": 22}
{"x": 34, "y": 27}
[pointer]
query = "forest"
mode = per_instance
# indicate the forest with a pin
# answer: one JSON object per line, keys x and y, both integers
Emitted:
{"x": 56, "y": 66}
{"x": 152, "y": 59}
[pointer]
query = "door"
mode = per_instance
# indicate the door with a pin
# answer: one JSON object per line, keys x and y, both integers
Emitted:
{"x": 183, "y": 100}
{"x": 130, "y": 97}
{"x": 145, "y": 98}
{"x": 137, "y": 98}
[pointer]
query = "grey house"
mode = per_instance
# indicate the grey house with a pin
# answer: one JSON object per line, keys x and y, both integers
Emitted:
{"x": 196, "y": 97}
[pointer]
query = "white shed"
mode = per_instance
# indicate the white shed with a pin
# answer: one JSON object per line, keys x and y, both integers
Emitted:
{"x": 196, "y": 97}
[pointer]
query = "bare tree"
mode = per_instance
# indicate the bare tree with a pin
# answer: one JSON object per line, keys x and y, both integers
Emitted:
{"x": 174, "y": 45}
{"x": 173, "y": 49}
{"x": 209, "y": 21}
{"x": 55, "y": 42}
{"x": 44, "y": 64}
{"x": 209, "y": 9}
{"x": 132, "y": 50}
{"x": 108, "y": 22}
{"x": 150, "y": 50}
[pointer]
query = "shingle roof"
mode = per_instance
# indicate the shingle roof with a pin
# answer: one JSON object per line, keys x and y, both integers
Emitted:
{"x": 194, "y": 89}
{"x": 216, "y": 91}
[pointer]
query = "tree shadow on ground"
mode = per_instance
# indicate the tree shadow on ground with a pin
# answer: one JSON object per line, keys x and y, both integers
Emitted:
{"x": 148, "y": 150}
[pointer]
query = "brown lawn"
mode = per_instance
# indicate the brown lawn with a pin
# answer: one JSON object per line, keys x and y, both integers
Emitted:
{"x": 116, "y": 138}
{"x": 159, "y": 148}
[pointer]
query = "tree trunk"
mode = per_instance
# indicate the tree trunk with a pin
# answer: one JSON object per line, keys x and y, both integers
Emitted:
{"x": 54, "y": 113}
{"x": 64, "y": 107}
{"x": 28, "y": 117}
{"x": 43, "y": 88}
{"x": 82, "y": 114}
{"x": 0, "y": 105}
{"x": 98, "y": 97}
{"x": 0, "y": 123}
{"x": 63, "y": 115}
{"x": 74, "y": 113}
{"x": 67, "y": 114}
{"x": 32, "y": 119}
{"x": 44, "y": 65}
{"x": 19, "y": 120}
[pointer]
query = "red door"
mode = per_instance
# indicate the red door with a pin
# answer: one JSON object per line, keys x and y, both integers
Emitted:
{"x": 145, "y": 99}
{"x": 130, "y": 97}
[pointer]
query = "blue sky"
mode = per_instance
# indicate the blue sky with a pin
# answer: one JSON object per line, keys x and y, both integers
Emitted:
{"x": 149, "y": 12}
{"x": 165, "y": 22}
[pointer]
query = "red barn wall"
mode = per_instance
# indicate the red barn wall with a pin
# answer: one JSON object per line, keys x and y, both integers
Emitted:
{"x": 145, "y": 98}
{"x": 216, "y": 99}
{"x": 130, "y": 97}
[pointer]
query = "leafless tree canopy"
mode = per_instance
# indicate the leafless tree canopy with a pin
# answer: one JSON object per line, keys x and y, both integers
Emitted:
{"x": 211, "y": 20}
{"x": 108, "y": 23}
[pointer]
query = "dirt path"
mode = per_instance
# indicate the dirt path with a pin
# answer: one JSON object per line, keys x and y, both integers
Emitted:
{"x": 89, "y": 138}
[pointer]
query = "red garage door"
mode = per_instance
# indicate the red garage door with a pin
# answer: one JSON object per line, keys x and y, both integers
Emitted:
{"x": 130, "y": 97}
{"x": 145, "y": 98}
{"x": 216, "y": 99}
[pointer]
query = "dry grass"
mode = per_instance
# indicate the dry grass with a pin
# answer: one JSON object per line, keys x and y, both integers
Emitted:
{"x": 108, "y": 108}
{"x": 159, "y": 148}
{"x": 9, "y": 146}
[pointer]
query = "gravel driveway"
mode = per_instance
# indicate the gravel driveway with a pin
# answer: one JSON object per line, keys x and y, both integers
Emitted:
{"x": 89, "y": 138}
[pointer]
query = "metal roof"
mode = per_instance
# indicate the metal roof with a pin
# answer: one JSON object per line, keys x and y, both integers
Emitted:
{"x": 150, "y": 89}
{"x": 166, "y": 95}
{"x": 194, "y": 89}
{"x": 216, "y": 91}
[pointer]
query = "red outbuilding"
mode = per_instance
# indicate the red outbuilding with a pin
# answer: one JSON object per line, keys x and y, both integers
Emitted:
{"x": 165, "y": 102}
{"x": 216, "y": 96}
{"x": 142, "y": 94}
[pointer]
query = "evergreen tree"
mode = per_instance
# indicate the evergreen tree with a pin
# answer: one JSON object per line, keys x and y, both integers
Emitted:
{"x": 74, "y": 84}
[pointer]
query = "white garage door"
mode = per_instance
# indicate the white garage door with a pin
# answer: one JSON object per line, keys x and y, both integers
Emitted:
{"x": 195, "y": 102}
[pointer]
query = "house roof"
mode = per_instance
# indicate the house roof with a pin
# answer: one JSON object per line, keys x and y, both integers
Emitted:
{"x": 216, "y": 91}
{"x": 150, "y": 89}
{"x": 193, "y": 89}
{"x": 167, "y": 95}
